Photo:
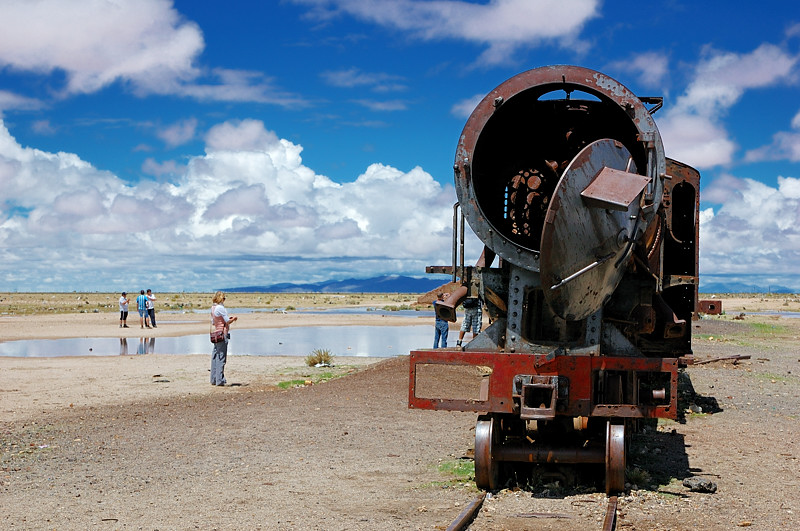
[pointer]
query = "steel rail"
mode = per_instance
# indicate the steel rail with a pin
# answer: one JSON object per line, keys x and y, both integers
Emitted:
{"x": 466, "y": 517}
{"x": 610, "y": 522}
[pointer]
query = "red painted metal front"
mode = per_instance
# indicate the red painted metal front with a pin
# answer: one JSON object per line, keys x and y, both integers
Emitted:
{"x": 578, "y": 369}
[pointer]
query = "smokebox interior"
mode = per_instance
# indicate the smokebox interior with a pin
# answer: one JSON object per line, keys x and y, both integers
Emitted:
{"x": 526, "y": 145}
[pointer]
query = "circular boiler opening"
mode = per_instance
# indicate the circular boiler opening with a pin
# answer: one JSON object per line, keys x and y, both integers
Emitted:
{"x": 526, "y": 145}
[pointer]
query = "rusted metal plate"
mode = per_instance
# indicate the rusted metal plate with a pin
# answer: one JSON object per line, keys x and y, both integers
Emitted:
{"x": 710, "y": 307}
{"x": 500, "y": 370}
{"x": 682, "y": 224}
{"x": 614, "y": 189}
{"x": 583, "y": 247}
{"x": 446, "y": 270}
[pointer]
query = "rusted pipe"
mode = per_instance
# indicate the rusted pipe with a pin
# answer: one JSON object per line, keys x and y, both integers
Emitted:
{"x": 447, "y": 308}
{"x": 519, "y": 452}
{"x": 455, "y": 240}
{"x": 461, "y": 261}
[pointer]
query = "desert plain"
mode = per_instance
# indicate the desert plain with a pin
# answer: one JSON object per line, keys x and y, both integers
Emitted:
{"x": 144, "y": 442}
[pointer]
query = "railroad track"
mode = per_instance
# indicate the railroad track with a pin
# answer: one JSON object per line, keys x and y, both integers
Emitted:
{"x": 610, "y": 521}
{"x": 470, "y": 512}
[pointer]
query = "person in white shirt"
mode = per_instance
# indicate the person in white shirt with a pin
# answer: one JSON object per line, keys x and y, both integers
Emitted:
{"x": 123, "y": 310}
{"x": 151, "y": 307}
{"x": 220, "y": 321}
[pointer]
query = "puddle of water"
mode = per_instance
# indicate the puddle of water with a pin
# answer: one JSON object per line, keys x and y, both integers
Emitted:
{"x": 371, "y": 341}
{"x": 371, "y": 310}
{"x": 789, "y": 315}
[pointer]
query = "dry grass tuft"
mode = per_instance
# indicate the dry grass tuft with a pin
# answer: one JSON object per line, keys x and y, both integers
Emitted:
{"x": 319, "y": 356}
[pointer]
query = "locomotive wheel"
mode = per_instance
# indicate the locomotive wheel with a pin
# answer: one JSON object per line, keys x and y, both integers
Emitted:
{"x": 487, "y": 469}
{"x": 615, "y": 458}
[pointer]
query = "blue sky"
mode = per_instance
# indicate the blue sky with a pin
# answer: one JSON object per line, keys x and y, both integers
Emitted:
{"x": 183, "y": 145}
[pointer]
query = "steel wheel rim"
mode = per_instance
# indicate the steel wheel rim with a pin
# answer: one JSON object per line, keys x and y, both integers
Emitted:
{"x": 487, "y": 471}
{"x": 615, "y": 458}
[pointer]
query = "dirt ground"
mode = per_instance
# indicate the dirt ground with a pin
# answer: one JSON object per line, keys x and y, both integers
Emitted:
{"x": 147, "y": 443}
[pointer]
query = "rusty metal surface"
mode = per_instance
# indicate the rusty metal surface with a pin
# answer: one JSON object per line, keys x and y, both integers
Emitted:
{"x": 710, "y": 307}
{"x": 439, "y": 270}
{"x": 610, "y": 520}
{"x": 561, "y": 173}
{"x": 614, "y": 189}
{"x": 583, "y": 246}
{"x": 532, "y": 84}
{"x": 684, "y": 176}
{"x": 487, "y": 469}
{"x": 466, "y": 516}
{"x": 579, "y": 370}
{"x": 538, "y": 397}
{"x": 529, "y": 453}
{"x": 615, "y": 458}
{"x": 446, "y": 309}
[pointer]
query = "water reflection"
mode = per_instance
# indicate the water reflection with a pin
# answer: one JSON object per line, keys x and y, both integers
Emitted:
{"x": 356, "y": 310}
{"x": 375, "y": 341}
{"x": 147, "y": 345}
{"x": 790, "y": 315}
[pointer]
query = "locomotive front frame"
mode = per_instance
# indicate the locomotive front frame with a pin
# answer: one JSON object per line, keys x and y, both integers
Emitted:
{"x": 589, "y": 356}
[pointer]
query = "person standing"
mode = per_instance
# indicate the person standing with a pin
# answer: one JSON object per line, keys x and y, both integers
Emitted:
{"x": 220, "y": 321}
{"x": 123, "y": 310}
{"x": 442, "y": 327}
{"x": 473, "y": 317}
{"x": 151, "y": 307}
{"x": 141, "y": 305}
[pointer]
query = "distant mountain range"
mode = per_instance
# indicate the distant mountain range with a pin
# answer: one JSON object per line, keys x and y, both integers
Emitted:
{"x": 383, "y": 284}
{"x": 403, "y": 284}
{"x": 741, "y": 287}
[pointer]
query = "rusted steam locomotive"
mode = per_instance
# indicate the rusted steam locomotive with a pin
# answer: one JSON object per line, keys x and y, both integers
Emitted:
{"x": 588, "y": 275}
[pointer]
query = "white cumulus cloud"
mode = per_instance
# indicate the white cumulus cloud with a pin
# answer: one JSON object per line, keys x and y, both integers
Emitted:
{"x": 463, "y": 108}
{"x": 651, "y": 68}
{"x": 738, "y": 238}
{"x": 147, "y": 45}
{"x": 501, "y": 26}
{"x": 246, "y": 212}
{"x": 97, "y": 42}
{"x": 178, "y": 133}
{"x": 785, "y": 145}
{"x": 694, "y": 128}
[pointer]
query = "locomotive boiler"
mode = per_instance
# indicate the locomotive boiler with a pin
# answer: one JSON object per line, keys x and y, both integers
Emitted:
{"x": 588, "y": 275}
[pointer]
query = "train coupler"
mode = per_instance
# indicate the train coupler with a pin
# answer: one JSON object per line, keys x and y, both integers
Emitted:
{"x": 537, "y": 396}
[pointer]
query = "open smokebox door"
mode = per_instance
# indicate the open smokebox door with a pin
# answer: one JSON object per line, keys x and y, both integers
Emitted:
{"x": 589, "y": 229}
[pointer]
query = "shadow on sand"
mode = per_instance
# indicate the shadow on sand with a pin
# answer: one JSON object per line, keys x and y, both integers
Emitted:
{"x": 658, "y": 455}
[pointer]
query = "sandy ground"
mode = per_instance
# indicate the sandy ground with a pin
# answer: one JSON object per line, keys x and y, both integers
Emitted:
{"x": 144, "y": 442}
{"x": 31, "y": 386}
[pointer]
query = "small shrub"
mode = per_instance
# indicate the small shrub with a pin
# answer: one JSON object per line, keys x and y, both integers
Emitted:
{"x": 396, "y": 308}
{"x": 638, "y": 477}
{"x": 319, "y": 355}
